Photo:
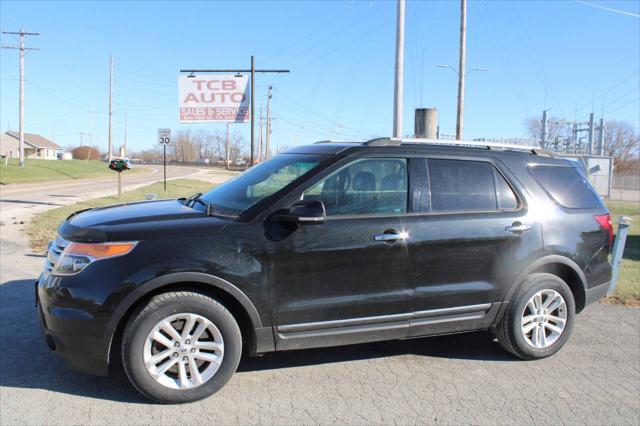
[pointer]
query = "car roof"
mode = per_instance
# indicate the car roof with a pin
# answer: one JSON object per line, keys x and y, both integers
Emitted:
{"x": 433, "y": 145}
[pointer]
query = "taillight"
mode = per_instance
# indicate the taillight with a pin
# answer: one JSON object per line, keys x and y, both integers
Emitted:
{"x": 604, "y": 220}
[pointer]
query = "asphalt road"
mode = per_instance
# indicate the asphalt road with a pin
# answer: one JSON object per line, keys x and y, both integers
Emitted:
{"x": 460, "y": 379}
{"x": 15, "y": 197}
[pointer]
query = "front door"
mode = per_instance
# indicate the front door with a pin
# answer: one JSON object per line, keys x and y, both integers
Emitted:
{"x": 346, "y": 281}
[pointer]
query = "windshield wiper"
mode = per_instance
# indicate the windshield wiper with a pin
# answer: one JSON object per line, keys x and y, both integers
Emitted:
{"x": 195, "y": 198}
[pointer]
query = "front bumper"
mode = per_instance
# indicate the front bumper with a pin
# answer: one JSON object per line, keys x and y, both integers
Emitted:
{"x": 64, "y": 330}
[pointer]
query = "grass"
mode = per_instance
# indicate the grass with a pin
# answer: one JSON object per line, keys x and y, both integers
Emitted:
{"x": 43, "y": 227}
{"x": 628, "y": 286}
{"x": 53, "y": 170}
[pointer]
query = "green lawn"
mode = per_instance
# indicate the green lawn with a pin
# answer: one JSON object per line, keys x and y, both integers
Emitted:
{"x": 53, "y": 170}
{"x": 42, "y": 228}
{"x": 628, "y": 287}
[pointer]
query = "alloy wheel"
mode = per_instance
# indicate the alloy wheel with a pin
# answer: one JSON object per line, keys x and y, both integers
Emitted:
{"x": 183, "y": 351}
{"x": 543, "y": 319}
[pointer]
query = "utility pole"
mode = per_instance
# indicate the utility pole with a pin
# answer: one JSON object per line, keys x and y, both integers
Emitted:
{"x": 399, "y": 73}
{"x": 462, "y": 70}
{"x": 227, "y": 153}
{"x": 21, "y": 48}
{"x": 109, "y": 155}
{"x": 252, "y": 72}
{"x": 601, "y": 137}
{"x": 125, "y": 134}
{"x": 260, "y": 139}
{"x": 590, "y": 146}
{"x": 543, "y": 133}
{"x": 268, "y": 150}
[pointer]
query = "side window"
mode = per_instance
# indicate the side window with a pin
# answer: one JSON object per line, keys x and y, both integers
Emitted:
{"x": 461, "y": 185}
{"x": 566, "y": 186}
{"x": 367, "y": 186}
{"x": 506, "y": 197}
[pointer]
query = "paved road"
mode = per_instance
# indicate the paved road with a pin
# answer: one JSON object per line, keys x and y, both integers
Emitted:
{"x": 15, "y": 197}
{"x": 461, "y": 379}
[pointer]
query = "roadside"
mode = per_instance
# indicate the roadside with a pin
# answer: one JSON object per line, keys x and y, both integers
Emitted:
{"x": 54, "y": 170}
{"x": 18, "y": 199}
{"x": 628, "y": 287}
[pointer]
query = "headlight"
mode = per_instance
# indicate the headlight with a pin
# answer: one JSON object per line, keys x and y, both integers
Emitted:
{"x": 77, "y": 256}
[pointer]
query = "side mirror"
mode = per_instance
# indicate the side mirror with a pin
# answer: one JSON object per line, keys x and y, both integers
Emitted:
{"x": 306, "y": 212}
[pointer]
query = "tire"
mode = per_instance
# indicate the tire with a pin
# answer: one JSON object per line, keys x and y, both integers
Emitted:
{"x": 515, "y": 337}
{"x": 206, "y": 364}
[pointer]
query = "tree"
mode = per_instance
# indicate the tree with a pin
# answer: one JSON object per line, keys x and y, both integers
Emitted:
{"x": 556, "y": 127}
{"x": 86, "y": 153}
{"x": 622, "y": 143}
{"x": 184, "y": 148}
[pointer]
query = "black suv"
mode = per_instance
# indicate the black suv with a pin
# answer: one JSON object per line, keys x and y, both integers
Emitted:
{"x": 328, "y": 244}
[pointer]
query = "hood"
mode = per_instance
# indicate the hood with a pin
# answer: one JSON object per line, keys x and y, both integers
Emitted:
{"x": 147, "y": 217}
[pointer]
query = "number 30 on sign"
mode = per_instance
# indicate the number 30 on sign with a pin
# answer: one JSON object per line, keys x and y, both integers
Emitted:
{"x": 164, "y": 137}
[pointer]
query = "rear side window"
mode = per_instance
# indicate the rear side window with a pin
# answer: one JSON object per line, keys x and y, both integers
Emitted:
{"x": 566, "y": 186}
{"x": 461, "y": 185}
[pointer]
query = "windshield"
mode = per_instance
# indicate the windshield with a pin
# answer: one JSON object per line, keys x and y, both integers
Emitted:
{"x": 259, "y": 182}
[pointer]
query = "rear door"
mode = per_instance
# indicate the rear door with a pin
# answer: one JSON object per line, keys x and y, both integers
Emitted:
{"x": 475, "y": 235}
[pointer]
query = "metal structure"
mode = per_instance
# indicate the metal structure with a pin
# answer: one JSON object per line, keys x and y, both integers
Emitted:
{"x": 22, "y": 49}
{"x": 618, "y": 248}
{"x": 399, "y": 72}
{"x": 252, "y": 70}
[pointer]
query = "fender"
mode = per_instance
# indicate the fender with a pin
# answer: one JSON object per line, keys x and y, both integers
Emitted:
{"x": 532, "y": 267}
{"x": 178, "y": 277}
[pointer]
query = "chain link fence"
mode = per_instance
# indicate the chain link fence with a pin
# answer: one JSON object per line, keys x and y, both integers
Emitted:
{"x": 621, "y": 187}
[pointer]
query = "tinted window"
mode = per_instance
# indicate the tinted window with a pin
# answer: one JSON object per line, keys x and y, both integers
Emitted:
{"x": 458, "y": 185}
{"x": 566, "y": 185}
{"x": 368, "y": 186}
{"x": 259, "y": 182}
{"x": 506, "y": 198}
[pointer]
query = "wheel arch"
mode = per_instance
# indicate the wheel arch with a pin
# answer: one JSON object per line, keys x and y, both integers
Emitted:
{"x": 254, "y": 334}
{"x": 560, "y": 266}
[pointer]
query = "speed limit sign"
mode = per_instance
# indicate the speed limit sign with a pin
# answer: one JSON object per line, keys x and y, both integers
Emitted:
{"x": 164, "y": 137}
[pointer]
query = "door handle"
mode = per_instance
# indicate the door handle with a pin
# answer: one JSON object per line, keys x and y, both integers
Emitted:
{"x": 517, "y": 228}
{"x": 390, "y": 236}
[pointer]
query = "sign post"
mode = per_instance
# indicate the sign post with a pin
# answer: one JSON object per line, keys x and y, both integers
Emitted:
{"x": 164, "y": 139}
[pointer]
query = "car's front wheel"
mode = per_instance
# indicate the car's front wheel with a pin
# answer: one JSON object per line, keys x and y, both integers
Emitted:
{"x": 539, "y": 319}
{"x": 181, "y": 347}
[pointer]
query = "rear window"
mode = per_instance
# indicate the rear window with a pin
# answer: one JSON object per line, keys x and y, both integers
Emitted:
{"x": 566, "y": 185}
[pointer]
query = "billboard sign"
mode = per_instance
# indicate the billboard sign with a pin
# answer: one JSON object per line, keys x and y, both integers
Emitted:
{"x": 214, "y": 99}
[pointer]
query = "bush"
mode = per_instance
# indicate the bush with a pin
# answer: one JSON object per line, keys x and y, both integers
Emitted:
{"x": 85, "y": 153}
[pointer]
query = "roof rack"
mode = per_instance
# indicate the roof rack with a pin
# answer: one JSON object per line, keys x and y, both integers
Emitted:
{"x": 460, "y": 143}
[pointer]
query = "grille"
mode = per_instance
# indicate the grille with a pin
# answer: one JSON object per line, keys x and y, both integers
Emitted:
{"x": 54, "y": 251}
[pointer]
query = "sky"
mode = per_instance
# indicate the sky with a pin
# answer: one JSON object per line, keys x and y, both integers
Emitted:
{"x": 569, "y": 57}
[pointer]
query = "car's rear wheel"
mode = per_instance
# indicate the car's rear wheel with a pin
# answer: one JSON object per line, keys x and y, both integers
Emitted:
{"x": 539, "y": 319}
{"x": 181, "y": 347}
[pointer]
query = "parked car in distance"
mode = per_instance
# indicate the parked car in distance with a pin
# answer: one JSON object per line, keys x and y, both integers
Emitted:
{"x": 324, "y": 245}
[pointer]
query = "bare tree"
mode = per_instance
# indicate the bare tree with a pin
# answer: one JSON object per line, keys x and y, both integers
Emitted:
{"x": 237, "y": 147}
{"x": 556, "y": 127}
{"x": 622, "y": 143}
{"x": 184, "y": 147}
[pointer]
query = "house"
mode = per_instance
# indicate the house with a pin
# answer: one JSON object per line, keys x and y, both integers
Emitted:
{"x": 35, "y": 146}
